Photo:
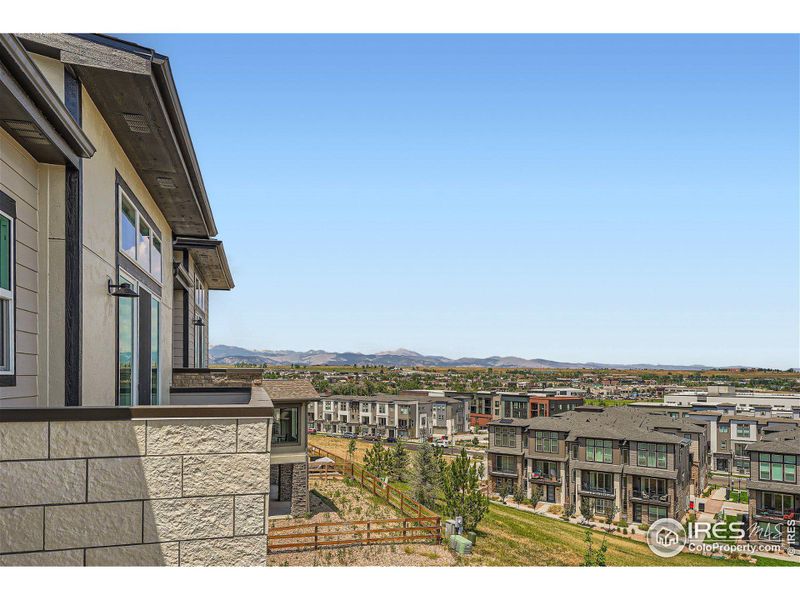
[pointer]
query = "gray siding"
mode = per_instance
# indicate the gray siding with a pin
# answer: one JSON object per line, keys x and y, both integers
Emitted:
{"x": 19, "y": 178}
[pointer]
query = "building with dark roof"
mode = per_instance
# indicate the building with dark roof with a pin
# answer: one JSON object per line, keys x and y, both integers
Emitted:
{"x": 619, "y": 461}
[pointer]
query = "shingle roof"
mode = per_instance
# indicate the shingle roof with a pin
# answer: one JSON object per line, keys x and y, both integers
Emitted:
{"x": 786, "y": 442}
{"x": 289, "y": 389}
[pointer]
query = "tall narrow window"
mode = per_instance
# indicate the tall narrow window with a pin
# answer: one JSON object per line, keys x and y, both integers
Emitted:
{"x": 155, "y": 259}
{"x": 155, "y": 330}
{"x": 6, "y": 294}
{"x": 138, "y": 239}
{"x": 143, "y": 243}
{"x": 127, "y": 239}
{"x": 127, "y": 348}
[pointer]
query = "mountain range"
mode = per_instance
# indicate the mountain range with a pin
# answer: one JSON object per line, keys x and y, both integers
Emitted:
{"x": 230, "y": 355}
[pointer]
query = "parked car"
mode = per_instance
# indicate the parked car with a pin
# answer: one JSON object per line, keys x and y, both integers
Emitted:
{"x": 391, "y": 439}
{"x": 311, "y": 430}
{"x": 441, "y": 443}
{"x": 349, "y": 435}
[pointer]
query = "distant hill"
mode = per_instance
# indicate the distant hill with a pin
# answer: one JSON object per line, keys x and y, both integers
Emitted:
{"x": 229, "y": 355}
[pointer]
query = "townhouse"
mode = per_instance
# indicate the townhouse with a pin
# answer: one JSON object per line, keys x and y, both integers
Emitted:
{"x": 635, "y": 465}
{"x": 108, "y": 251}
{"x": 545, "y": 402}
{"x": 774, "y": 491}
{"x": 108, "y": 246}
{"x": 386, "y": 416}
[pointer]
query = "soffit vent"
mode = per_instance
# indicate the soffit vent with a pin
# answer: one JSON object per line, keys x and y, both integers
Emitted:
{"x": 28, "y": 131}
{"x": 136, "y": 123}
{"x": 166, "y": 183}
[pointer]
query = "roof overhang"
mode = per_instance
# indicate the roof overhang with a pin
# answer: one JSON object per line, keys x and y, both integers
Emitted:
{"x": 33, "y": 114}
{"x": 133, "y": 89}
{"x": 209, "y": 257}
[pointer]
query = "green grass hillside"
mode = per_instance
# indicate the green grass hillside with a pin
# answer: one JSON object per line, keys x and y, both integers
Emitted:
{"x": 510, "y": 537}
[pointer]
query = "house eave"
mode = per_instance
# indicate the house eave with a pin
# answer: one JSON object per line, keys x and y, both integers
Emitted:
{"x": 27, "y": 96}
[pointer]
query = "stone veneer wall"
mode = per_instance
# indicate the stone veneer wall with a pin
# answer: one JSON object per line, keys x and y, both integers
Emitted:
{"x": 192, "y": 491}
{"x": 292, "y": 482}
{"x": 215, "y": 378}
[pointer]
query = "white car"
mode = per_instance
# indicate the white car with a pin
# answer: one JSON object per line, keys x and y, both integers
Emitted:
{"x": 441, "y": 443}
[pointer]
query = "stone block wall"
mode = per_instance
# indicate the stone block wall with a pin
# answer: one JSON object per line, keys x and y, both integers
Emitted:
{"x": 215, "y": 378}
{"x": 172, "y": 491}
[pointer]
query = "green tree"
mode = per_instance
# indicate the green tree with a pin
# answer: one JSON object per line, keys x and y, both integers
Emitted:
{"x": 592, "y": 557}
{"x": 351, "y": 450}
{"x": 536, "y": 495}
{"x": 400, "y": 460}
{"x": 519, "y": 494}
{"x": 426, "y": 476}
{"x": 586, "y": 510}
{"x": 462, "y": 493}
{"x": 378, "y": 461}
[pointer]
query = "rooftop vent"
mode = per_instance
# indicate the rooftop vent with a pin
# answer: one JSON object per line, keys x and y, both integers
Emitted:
{"x": 27, "y": 131}
{"x": 136, "y": 122}
{"x": 166, "y": 183}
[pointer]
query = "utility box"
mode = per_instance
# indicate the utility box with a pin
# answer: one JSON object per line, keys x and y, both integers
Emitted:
{"x": 460, "y": 544}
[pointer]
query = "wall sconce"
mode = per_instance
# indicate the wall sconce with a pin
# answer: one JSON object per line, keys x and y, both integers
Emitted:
{"x": 121, "y": 290}
{"x": 198, "y": 322}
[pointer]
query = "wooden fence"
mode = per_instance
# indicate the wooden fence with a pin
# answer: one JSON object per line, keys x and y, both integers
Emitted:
{"x": 312, "y": 536}
{"x": 368, "y": 481}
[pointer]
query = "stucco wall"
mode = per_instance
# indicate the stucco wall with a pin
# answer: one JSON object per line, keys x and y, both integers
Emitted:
{"x": 99, "y": 260}
{"x": 178, "y": 492}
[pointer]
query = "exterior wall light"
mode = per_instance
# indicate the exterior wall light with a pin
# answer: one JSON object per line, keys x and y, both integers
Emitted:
{"x": 198, "y": 322}
{"x": 121, "y": 290}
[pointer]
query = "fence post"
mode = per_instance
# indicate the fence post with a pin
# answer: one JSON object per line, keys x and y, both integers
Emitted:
{"x": 402, "y": 508}
{"x": 316, "y": 531}
{"x": 405, "y": 527}
{"x": 438, "y": 530}
{"x": 368, "y": 528}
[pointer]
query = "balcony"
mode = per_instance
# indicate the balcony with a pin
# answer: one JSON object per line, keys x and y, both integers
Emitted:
{"x": 502, "y": 471}
{"x": 544, "y": 477}
{"x": 651, "y": 497}
{"x": 772, "y": 514}
{"x": 595, "y": 491}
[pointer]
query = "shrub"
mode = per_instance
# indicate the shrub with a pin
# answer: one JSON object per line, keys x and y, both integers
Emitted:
{"x": 555, "y": 509}
{"x": 644, "y": 527}
{"x": 622, "y": 523}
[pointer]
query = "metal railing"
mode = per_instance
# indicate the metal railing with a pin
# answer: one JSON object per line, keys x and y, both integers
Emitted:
{"x": 596, "y": 490}
{"x": 651, "y": 496}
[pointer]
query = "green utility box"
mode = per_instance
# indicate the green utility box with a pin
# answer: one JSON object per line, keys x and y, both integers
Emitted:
{"x": 460, "y": 544}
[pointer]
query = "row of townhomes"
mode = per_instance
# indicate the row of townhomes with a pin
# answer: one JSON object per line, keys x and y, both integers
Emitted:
{"x": 636, "y": 465}
{"x": 774, "y": 491}
{"x": 734, "y": 420}
{"x": 118, "y": 446}
{"x": 407, "y": 416}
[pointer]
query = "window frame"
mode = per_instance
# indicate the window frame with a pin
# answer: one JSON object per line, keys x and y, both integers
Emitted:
{"x": 8, "y": 211}
{"x": 288, "y": 407}
{"x": 652, "y": 450}
{"x": 142, "y": 218}
{"x": 772, "y": 465}
{"x": 603, "y": 445}
{"x": 503, "y": 433}
{"x": 546, "y": 442}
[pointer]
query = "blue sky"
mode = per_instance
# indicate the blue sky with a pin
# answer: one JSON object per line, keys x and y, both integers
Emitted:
{"x": 587, "y": 198}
